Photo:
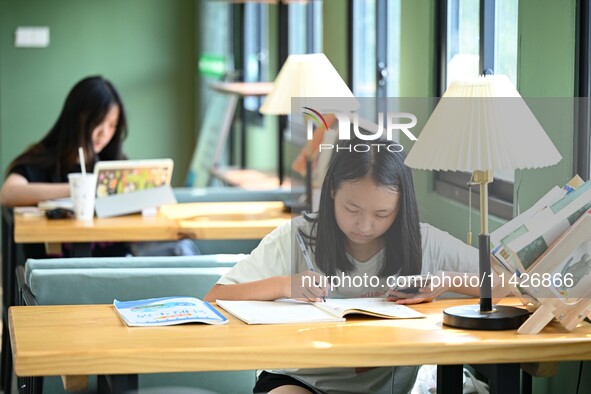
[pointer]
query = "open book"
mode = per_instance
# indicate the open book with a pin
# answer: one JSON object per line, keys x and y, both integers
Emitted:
{"x": 168, "y": 311}
{"x": 287, "y": 311}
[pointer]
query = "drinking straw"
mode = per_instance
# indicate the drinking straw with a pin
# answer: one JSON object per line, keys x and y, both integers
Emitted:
{"x": 82, "y": 161}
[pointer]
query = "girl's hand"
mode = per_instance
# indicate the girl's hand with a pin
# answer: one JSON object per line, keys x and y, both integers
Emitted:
{"x": 424, "y": 294}
{"x": 307, "y": 286}
{"x": 430, "y": 290}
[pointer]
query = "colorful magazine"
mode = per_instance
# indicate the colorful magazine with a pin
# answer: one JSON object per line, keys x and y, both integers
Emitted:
{"x": 168, "y": 311}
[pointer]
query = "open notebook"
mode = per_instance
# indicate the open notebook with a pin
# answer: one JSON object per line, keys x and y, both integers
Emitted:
{"x": 292, "y": 311}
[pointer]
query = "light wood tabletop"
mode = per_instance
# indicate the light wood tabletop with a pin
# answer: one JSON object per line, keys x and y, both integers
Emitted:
{"x": 91, "y": 339}
{"x": 219, "y": 220}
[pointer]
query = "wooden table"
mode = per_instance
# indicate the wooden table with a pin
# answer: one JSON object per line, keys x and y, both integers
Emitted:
{"x": 218, "y": 220}
{"x": 89, "y": 340}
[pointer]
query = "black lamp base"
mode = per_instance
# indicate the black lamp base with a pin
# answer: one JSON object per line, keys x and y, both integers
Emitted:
{"x": 470, "y": 317}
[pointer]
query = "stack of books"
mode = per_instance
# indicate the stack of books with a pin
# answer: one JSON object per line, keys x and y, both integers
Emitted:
{"x": 546, "y": 251}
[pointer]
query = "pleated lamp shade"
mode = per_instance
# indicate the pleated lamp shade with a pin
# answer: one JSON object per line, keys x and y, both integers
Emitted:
{"x": 306, "y": 76}
{"x": 482, "y": 124}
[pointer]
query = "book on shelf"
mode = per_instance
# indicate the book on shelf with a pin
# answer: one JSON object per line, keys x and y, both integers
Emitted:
{"x": 287, "y": 311}
{"x": 168, "y": 311}
{"x": 564, "y": 268}
{"x": 546, "y": 250}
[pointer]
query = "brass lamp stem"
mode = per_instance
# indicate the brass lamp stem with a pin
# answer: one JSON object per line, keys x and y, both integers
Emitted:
{"x": 483, "y": 178}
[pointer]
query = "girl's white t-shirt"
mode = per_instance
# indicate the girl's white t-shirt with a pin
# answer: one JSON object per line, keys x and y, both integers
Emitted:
{"x": 279, "y": 254}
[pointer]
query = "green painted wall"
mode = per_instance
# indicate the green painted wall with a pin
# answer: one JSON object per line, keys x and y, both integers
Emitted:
{"x": 145, "y": 47}
{"x": 335, "y": 30}
{"x": 548, "y": 27}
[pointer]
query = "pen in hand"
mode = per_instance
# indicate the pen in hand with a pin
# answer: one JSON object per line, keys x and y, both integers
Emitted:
{"x": 307, "y": 258}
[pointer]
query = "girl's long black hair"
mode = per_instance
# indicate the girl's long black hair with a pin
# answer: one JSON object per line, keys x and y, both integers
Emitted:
{"x": 85, "y": 107}
{"x": 402, "y": 241}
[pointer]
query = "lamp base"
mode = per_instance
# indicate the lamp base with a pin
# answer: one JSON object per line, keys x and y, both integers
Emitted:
{"x": 470, "y": 317}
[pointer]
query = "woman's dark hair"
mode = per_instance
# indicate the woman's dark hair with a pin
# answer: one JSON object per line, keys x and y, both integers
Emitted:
{"x": 402, "y": 241}
{"x": 86, "y": 106}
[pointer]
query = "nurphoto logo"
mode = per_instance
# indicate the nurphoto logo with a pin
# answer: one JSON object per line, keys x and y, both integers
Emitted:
{"x": 394, "y": 121}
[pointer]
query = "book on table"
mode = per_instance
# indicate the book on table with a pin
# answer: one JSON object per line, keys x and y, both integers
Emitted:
{"x": 287, "y": 311}
{"x": 168, "y": 311}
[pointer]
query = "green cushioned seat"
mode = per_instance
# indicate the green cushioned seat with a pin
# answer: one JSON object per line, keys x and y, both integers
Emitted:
{"x": 101, "y": 285}
{"x": 228, "y": 194}
{"x": 215, "y": 260}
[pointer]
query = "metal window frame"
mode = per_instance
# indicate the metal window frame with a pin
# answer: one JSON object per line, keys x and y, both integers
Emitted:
{"x": 381, "y": 61}
{"x": 582, "y": 140}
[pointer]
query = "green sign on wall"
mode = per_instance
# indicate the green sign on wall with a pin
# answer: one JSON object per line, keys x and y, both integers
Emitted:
{"x": 212, "y": 65}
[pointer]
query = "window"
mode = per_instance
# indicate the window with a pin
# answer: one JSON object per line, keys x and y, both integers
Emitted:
{"x": 256, "y": 53}
{"x": 216, "y": 53}
{"x": 305, "y": 27}
{"x": 474, "y": 36}
{"x": 304, "y": 36}
{"x": 375, "y": 55}
{"x": 463, "y": 39}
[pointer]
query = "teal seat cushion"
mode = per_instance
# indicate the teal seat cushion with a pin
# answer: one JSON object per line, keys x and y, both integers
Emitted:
{"x": 213, "y": 260}
{"x": 229, "y": 194}
{"x": 68, "y": 286}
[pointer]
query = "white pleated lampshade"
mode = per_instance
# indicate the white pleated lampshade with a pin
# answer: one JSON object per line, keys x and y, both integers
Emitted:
{"x": 482, "y": 124}
{"x": 306, "y": 76}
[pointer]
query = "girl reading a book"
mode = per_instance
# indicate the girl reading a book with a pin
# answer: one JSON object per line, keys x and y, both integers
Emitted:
{"x": 366, "y": 231}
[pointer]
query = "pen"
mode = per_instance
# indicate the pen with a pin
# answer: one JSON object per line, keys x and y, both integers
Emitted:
{"x": 307, "y": 258}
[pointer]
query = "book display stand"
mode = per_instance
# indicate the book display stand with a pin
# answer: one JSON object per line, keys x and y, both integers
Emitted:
{"x": 568, "y": 315}
{"x": 544, "y": 257}
{"x": 565, "y": 293}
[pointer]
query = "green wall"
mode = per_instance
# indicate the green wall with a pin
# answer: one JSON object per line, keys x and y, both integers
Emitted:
{"x": 335, "y": 35}
{"x": 145, "y": 47}
{"x": 546, "y": 66}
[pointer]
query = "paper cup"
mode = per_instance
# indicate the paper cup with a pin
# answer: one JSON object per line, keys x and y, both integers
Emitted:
{"x": 82, "y": 192}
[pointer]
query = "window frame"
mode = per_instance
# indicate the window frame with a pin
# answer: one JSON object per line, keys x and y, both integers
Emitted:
{"x": 454, "y": 185}
{"x": 582, "y": 140}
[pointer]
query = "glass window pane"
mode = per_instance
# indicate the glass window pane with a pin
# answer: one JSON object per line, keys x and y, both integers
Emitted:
{"x": 297, "y": 28}
{"x": 255, "y": 48}
{"x": 506, "y": 51}
{"x": 393, "y": 48}
{"x": 506, "y": 38}
{"x": 216, "y": 52}
{"x": 364, "y": 48}
{"x": 463, "y": 39}
{"x": 318, "y": 6}
{"x": 303, "y": 19}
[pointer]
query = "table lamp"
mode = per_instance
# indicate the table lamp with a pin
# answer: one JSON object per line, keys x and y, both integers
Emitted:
{"x": 481, "y": 125}
{"x": 305, "y": 76}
